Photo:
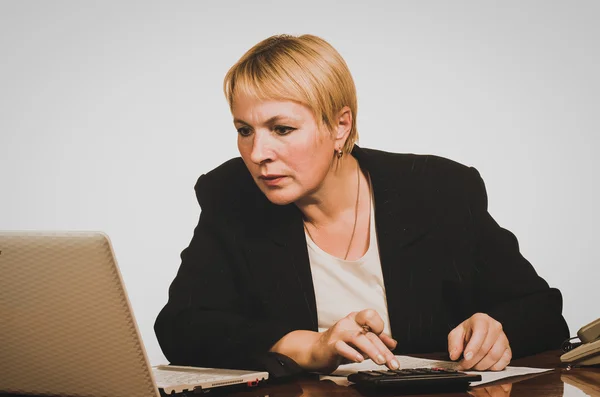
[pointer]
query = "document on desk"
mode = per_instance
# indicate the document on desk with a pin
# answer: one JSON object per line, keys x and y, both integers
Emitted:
{"x": 414, "y": 362}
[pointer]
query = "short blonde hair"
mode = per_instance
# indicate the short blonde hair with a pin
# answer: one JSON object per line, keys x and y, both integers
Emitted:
{"x": 305, "y": 69}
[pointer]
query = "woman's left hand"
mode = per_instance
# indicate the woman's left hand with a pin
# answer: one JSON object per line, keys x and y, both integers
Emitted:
{"x": 487, "y": 346}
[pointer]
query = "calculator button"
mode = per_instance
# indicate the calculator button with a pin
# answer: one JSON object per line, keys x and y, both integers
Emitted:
{"x": 386, "y": 373}
{"x": 370, "y": 373}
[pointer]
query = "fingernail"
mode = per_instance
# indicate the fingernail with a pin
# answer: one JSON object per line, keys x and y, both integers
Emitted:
{"x": 380, "y": 359}
{"x": 359, "y": 358}
{"x": 468, "y": 355}
{"x": 394, "y": 364}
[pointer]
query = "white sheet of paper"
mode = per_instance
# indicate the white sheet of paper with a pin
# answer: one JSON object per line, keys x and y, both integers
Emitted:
{"x": 414, "y": 362}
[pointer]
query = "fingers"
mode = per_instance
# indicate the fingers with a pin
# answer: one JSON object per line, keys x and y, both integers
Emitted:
{"x": 351, "y": 340}
{"x": 481, "y": 340}
{"x": 372, "y": 347}
{"x": 365, "y": 344}
{"x": 491, "y": 358}
{"x": 390, "y": 342}
{"x": 347, "y": 352}
{"x": 487, "y": 348}
{"x": 456, "y": 339}
{"x": 496, "y": 352}
{"x": 371, "y": 319}
{"x": 388, "y": 357}
{"x": 503, "y": 362}
{"x": 365, "y": 334}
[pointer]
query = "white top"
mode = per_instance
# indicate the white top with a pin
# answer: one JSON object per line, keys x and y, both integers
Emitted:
{"x": 342, "y": 286}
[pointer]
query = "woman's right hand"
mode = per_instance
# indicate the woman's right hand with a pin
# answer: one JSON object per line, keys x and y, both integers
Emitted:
{"x": 354, "y": 338}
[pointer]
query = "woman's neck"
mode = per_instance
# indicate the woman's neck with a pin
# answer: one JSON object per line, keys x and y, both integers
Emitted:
{"x": 336, "y": 195}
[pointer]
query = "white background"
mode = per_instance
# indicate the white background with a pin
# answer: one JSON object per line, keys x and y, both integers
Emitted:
{"x": 109, "y": 111}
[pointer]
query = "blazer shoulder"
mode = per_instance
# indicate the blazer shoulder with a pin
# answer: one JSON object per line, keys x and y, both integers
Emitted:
{"x": 435, "y": 179}
{"x": 226, "y": 187}
{"x": 422, "y": 165}
{"x": 438, "y": 167}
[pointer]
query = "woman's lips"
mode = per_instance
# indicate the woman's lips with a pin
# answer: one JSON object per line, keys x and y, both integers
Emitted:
{"x": 272, "y": 180}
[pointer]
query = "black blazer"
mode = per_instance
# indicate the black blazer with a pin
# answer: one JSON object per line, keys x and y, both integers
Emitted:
{"x": 245, "y": 279}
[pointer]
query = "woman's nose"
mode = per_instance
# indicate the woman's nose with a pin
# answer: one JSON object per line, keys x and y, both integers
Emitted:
{"x": 262, "y": 148}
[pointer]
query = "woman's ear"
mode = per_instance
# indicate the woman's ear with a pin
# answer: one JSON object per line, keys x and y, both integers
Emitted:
{"x": 342, "y": 126}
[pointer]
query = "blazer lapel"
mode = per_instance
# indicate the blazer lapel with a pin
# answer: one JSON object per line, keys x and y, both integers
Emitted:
{"x": 400, "y": 212}
{"x": 285, "y": 248}
{"x": 401, "y": 220}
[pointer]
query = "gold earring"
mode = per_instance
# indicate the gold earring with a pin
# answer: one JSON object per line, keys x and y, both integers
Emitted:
{"x": 339, "y": 153}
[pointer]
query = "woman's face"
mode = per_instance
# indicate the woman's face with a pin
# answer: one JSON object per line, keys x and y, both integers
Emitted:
{"x": 285, "y": 149}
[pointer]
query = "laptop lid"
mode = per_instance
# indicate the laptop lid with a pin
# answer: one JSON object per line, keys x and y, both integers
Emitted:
{"x": 67, "y": 327}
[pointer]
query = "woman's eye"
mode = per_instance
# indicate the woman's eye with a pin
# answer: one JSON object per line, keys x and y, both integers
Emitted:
{"x": 283, "y": 130}
{"x": 244, "y": 131}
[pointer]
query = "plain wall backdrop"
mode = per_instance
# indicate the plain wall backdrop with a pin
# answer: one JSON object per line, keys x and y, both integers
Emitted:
{"x": 111, "y": 110}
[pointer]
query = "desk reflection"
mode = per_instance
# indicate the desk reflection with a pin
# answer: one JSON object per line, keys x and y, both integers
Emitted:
{"x": 546, "y": 385}
{"x": 492, "y": 391}
{"x": 588, "y": 382}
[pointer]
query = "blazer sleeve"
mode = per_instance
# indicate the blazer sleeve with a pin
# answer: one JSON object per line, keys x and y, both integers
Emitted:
{"x": 508, "y": 288}
{"x": 210, "y": 318}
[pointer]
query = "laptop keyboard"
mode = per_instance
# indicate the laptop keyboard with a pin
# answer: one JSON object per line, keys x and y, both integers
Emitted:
{"x": 171, "y": 378}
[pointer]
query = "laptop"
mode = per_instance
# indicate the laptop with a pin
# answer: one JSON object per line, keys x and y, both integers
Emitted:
{"x": 67, "y": 328}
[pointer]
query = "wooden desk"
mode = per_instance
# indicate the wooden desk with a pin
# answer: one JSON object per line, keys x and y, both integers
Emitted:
{"x": 550, "y": 384}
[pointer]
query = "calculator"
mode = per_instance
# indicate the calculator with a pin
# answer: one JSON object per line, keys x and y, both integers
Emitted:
{"x": 420, "y": 380}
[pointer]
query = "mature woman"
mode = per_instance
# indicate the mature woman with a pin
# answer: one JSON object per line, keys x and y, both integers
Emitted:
{"x": 324, "y": 252}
